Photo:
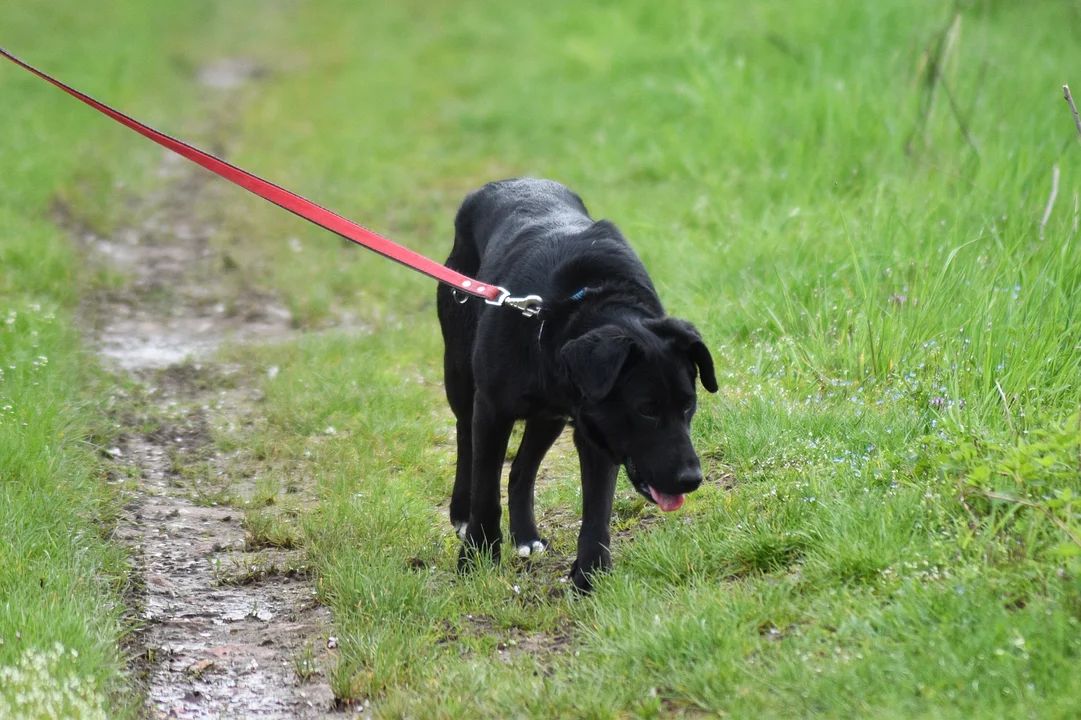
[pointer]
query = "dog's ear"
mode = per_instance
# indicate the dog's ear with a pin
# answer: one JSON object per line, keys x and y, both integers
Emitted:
{"x": 687, "y": 339}
{"x": 594, "y": 360}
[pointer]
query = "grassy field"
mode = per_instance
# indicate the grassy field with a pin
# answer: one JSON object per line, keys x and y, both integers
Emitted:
{"x": 846, "y": 198}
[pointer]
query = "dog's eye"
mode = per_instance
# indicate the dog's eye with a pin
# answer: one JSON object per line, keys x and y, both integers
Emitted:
{"x": 648, "y": 410}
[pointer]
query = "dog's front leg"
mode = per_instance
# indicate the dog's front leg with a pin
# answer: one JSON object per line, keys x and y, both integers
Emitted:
{"x": 491, "y": 432}
{"x": 598, "y": 490}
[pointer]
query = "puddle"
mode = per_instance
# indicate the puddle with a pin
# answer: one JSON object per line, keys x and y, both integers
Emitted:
{"x": 143, "y": 345}
{"x": 229, "y": 73}
{"x": 146, "y": 342}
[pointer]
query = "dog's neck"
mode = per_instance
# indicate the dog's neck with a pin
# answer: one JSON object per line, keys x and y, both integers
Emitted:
{"x": 586, "y": 309}
{"x": 591, "y": 306}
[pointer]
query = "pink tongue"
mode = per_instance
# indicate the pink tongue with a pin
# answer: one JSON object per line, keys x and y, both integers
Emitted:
{"x": 668, "y": 503}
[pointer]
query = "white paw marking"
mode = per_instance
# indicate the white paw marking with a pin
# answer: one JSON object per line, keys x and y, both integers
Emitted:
{"x": 535, "y": 548}
{"x": 460, "y": 529}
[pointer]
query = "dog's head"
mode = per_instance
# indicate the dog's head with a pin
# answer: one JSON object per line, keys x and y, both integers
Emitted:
{"x": 637, "y": 382}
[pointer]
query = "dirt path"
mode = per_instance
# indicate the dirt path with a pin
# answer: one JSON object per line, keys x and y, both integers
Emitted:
{"x": 231, "y": 629}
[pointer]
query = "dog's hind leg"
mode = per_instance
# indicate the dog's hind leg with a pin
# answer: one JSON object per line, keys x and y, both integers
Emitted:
{"x": 457, "y": 322}
{"x": 491, "y": 432}
{"x": 458, "y": 378}
{"x": 463, "y": 475}
{"x": 540, "y": 433}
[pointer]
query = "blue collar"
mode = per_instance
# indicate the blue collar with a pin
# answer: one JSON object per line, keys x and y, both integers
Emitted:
{"x": 580, "y": 294}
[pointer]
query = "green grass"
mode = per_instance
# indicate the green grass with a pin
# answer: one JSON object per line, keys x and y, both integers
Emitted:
{"x": 61, "y": 581}
{"x": 868, "y": 282}
{"x": 895, "y": 445}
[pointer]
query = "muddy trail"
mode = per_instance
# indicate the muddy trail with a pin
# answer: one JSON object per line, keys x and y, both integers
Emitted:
{"x": 230, "y": 626}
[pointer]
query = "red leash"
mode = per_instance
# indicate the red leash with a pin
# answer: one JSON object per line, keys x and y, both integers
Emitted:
{"x": 494, "y": 295}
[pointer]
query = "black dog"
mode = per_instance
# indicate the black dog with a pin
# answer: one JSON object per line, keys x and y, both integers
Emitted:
{"x": 602, "y": 353}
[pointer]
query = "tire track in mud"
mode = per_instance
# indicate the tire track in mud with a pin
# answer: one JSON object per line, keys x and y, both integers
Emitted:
{"x": 228, "y": 632}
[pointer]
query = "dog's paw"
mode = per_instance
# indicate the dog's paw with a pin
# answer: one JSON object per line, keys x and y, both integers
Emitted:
{"x": 461, "y": 528}
{"x": 583, "y": 581}
{"x": 580, "y": 580}
{"x": 477, "y": 544}
{"x": 470, "y": 555}
{"x": 535, "y": 547}
{"x": 467, "y": 559}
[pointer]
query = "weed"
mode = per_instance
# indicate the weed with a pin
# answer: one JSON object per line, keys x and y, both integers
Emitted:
{"x": 1025, "y": 489}
{"x": 250, "y": 567}
{"x": 269, "y": 528}
{"x": 204, "y": 496}
{"x": 304, "y": 664}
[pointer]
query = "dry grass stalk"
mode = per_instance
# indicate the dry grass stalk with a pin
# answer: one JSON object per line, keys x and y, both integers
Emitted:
{"x": 1069, "y": 99}
{"x": 1050, "y": 200}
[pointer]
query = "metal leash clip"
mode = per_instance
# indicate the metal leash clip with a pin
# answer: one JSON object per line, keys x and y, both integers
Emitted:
{"x": 528, "y": 305}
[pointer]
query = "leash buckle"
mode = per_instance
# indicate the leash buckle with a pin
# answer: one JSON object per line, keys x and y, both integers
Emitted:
{"x": 528, "y": 305}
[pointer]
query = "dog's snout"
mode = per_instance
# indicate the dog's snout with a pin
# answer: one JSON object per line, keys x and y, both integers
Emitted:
{"x": 689, "y": 479}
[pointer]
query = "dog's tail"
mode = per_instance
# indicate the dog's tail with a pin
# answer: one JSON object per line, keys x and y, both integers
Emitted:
{"x": 465, "y": 256}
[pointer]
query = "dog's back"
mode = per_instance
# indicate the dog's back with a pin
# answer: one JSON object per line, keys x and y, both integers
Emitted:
{"x": 536, "y": 236}
{"x": 509, "y": 210}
